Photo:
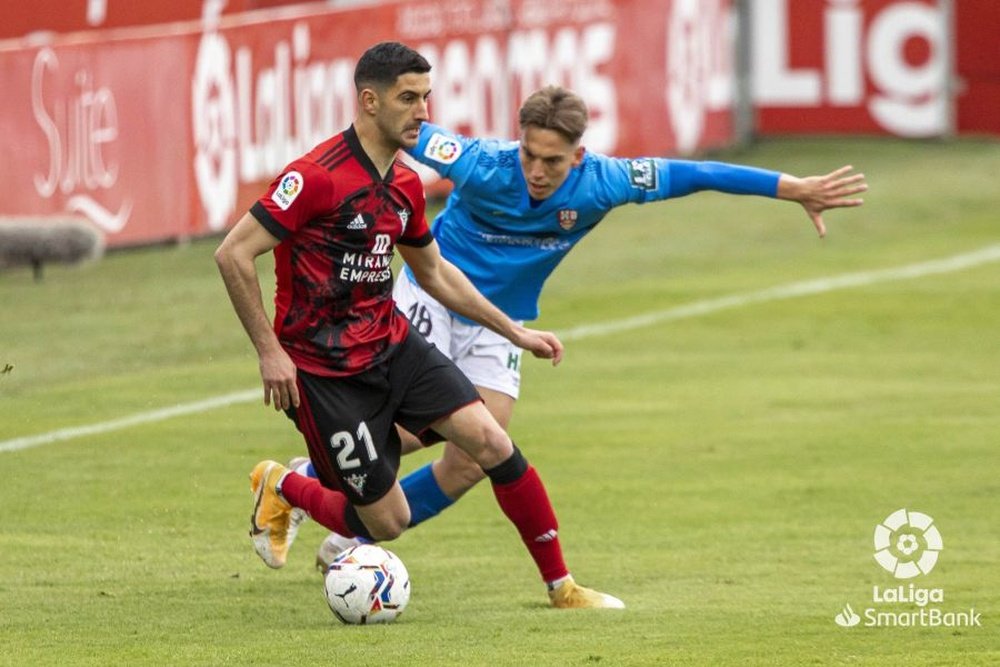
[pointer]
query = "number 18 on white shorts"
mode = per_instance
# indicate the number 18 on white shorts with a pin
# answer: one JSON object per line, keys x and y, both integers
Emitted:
{"x": 488, "y": 359}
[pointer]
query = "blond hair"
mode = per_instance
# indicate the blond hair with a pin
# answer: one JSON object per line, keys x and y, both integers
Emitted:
{"x": 555, "y": 108}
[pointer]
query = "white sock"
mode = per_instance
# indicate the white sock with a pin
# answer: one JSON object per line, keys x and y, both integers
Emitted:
{"x": 556, "y": 583}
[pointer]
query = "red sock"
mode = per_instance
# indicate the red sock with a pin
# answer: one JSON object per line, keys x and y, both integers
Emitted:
{"x": 326, "y": 507}
{"x": 527, "y": 505}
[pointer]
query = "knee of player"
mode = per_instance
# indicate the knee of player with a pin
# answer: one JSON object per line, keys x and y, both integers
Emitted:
{"x": 390, "y": 525}
{"x": 388, "y": 530}
{"x": 496, "y": 447}
{"x": 464, "y": 471}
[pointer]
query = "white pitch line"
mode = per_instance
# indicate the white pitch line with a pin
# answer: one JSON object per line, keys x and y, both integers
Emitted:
{"x": 952, "y": 264}
{"x": 947, "y": 265}
{"x": 134, "y": 420}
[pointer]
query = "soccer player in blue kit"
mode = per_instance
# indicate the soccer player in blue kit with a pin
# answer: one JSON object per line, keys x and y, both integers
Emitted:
{"x": 516, "y": 209}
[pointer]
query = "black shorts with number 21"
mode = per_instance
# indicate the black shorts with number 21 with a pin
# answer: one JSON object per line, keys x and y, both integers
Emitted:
{"x": 349, "y": 422}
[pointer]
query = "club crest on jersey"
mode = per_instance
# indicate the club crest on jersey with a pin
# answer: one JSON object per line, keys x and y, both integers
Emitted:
{"x": 567, "y": 218}
{"x": 357, "y": 481}
{"x": 442, "y": 148}
{"x": 289, "y": 187}
{"x": 404, "y": 218}
{"x": 642, "y": 174}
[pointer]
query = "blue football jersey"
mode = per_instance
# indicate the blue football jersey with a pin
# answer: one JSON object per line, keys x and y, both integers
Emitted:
{"x": 508, "y": 244}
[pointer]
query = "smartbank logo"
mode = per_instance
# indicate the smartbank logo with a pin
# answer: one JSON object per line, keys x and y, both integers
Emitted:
{"x": 907, "y": 544}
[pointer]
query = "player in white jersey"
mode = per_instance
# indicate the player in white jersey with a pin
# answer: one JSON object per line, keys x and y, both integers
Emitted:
{"x": 516, "y": 209}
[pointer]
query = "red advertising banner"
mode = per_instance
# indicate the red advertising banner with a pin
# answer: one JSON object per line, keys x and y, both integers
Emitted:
{"x": 171, "y": 132}
{"x": 88, "y": 130}
{"x": 862, "y": 66}
{"x": 63, "y": 16}
{"x": 170, "y": 136}
{"x": 657, "y": 76}
{"x": 978, "y": 61}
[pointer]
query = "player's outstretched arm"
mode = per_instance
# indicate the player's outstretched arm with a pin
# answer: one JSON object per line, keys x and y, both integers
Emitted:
{"x": 816, "y": 194}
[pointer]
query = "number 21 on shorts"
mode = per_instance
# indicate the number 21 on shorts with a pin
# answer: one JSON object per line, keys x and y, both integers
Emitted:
{"x": 345, "y": 444}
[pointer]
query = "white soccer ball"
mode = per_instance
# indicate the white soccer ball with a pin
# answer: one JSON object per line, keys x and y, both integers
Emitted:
{"x": 367, "y": 584}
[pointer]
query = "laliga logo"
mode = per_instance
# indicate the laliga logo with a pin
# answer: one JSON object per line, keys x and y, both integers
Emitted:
{"x": 907, "y": 544}
{"x": 214, "y": 122}
{"x": 858, "y": 43}
{"x": 699, "y": 67}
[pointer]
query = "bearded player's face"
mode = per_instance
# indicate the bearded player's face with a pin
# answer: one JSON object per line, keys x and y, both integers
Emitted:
{"x": 403, "y": 107}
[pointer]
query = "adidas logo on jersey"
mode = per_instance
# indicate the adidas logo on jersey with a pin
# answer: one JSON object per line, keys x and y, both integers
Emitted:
{"x": 357, "y": 223}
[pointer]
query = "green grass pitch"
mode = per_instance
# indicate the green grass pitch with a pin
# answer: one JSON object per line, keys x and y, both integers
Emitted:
{"x": 721, "y": 472}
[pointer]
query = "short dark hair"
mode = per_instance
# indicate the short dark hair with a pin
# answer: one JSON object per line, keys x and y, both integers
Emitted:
{"x": 555, "y": 108}
{"x": 385, "y": 62}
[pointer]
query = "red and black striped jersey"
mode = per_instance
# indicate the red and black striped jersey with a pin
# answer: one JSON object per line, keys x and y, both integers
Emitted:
{"x": 338, "y": 222}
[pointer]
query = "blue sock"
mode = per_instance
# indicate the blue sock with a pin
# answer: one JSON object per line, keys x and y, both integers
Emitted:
{"x": 425, "y": 497}
{"x": 309, "y": 470}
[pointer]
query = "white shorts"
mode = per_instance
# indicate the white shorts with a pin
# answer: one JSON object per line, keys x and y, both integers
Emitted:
{"x": 488, "y": 359}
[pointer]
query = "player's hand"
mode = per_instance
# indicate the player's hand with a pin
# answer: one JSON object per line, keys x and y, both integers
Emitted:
{"x": 819, "y": 193}
{"x": 278, "y": 374}
{"x": 542, "y": 344}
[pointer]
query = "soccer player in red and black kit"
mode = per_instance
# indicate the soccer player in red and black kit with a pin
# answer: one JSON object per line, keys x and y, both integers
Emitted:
{"x": 344, "y": 363}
